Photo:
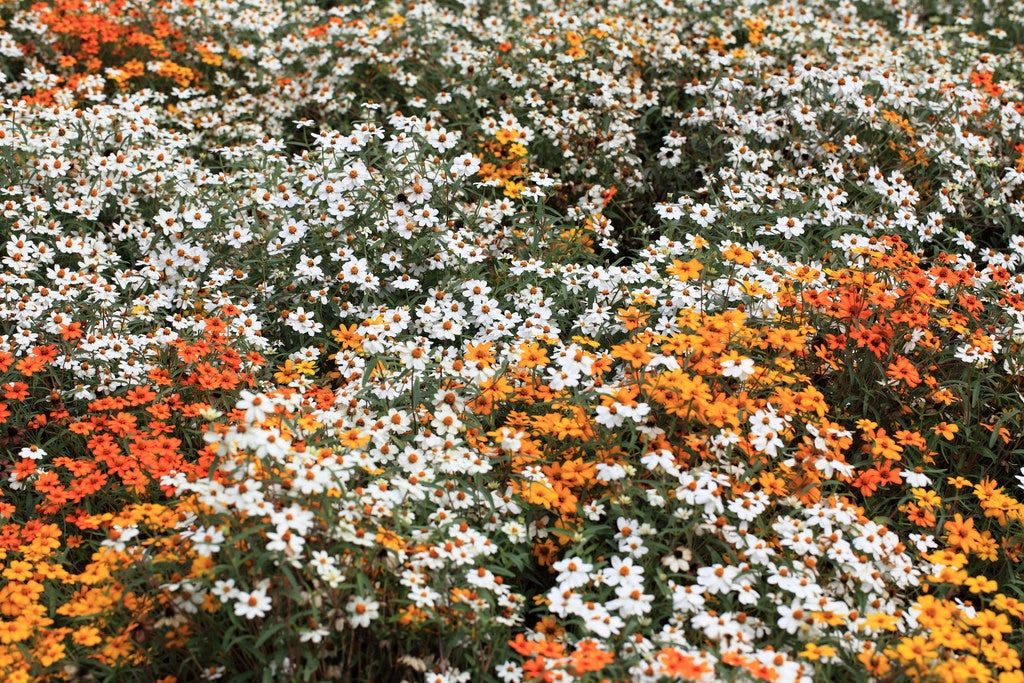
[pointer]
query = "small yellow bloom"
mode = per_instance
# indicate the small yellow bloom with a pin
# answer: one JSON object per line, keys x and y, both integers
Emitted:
{"x": 815, "y": 652}
{"x": 87, "y": 636}
{"x": 14, "y": 631}
{"x": 946, "y": 430}
{"x": 980, "y": 584}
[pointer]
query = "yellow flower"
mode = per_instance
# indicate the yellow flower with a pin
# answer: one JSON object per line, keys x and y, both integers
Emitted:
{"x": 970, "y": 670}
{"x": 932, "y": 611}
{"x": 1002, "y": 655}
{"x": 14, "y": 631}
{"x": 916, "y": 649}
{"x": 585, "y": 341}
{"x": 815, "y": 652}
{"x": 309, "y": 423}
{"x": 927, "y": 498}
{"x": 513, "y": 189}
{"x": 1005, "y": 603}
{"x": 880, "y": 621}
{"x": 506, "y": 135}
{"x": 689, "y": 270}
{"x": 87, "y": 636}
{"x": 18, "y": 570}
{"x": 980, "y": 584}
{"x": 988, "y": 624}
{"x": 946, "y": 430}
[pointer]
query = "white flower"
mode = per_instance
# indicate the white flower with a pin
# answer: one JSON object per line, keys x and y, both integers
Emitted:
{"x": 32, "y": 453}
{"x": 361, "y": 611}
{"x": 599, "y": 622}
{"x": 612, "y": 472}
{"x": 304, "y": 322}
{"x": 623, "y": 572}
{"x": 610, "y": 416}
{"x": 509, "y": 672}
{"x": 788, "y": 227}
{"x": 224, "y": 589}
{"x": 718, "y": 578}
{"x": 703, "y": 214}
{"x": 678, "y": 560}
{"x": 631, "y": 601}
{"x": 829, "y": 468}
{"x": 573, "y": 572}
{"x": 741, "y": 368}
{"x": 252, "y": 605}
{"x": 661, "y": 458}
{"x": 793, "y": 618}
{"x": 314, "y": 635}
{"x": 206, "y": 540}
{"x": 465, "y": 165}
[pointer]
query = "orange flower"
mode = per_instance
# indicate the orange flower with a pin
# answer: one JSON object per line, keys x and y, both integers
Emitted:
{"x": 946, "y": 430}
{"x": 632, "y": 318}
{"x": 960, "y": 533}
{"x": 902, "y": 370}
{"x": 532, "y": 355}
{"x": 588, "y": 657}
{"x": 354, "y": 438}
{"x": 481, "y": 355}
{"x": 689, "y": 270}
{"x": 634, "y": 352}
{"x": 678, "y": 665}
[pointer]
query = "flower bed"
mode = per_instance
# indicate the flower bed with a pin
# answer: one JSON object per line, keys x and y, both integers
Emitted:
{"x": 524, "y": 342}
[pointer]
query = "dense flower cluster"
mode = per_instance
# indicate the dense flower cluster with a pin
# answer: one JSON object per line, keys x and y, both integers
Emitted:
{"x": 532, "y": 341}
